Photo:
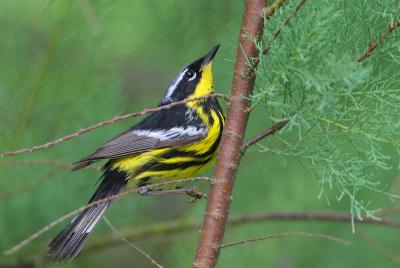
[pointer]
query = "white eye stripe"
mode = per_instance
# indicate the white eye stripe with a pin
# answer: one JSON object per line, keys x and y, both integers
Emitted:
{"x": 173, "y": 85}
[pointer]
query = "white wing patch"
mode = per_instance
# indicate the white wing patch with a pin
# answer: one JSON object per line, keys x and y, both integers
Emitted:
{"x": 166, "y": 134}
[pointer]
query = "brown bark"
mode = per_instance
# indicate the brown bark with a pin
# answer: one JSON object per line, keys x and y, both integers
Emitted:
{"x": 374, "y": 44}
{"x": 230, "y": 153}
{"x": 263, "y": 134}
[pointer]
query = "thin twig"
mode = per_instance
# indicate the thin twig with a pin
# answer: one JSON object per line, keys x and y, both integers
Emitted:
{"x": 90, "y": 16}
{"x": 29, "y": 184}
{"x": 388, "y": 212}
{"x": 76, "y": 211}
{"x": 387, "y": 252}
{"x": 270, "y": 10}
{"x": 131, "y": 244}
{"x": 263, "y": 134}
{"x": 294, "y": 12}
{"x": 286, "y": 234}
{"x": 314, "y": 216}
{"x": 285, "y": 23}
{"x": 181, "y": 225}
{"x": 42, "y": 162}
{"x": 105, "y": 123}
{"x": 42, "y": 10}
{"x": 373, "y": 44}
{"x": 19, "y": 264}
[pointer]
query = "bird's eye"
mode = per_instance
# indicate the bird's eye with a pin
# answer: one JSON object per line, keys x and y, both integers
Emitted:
{"x": 190, "y": 75}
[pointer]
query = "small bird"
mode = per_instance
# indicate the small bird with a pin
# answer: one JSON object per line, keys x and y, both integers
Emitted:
{"x": 166, "y": 145}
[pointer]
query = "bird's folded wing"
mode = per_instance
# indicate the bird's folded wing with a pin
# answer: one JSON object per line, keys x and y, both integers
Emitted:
{"x": 132, "y": 142}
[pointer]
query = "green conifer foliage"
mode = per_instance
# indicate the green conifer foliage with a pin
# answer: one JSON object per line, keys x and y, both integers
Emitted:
{"x": 343, "y": 109}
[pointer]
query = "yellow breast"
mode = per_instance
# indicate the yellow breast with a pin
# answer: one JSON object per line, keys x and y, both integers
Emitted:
{"x": 176, "y": 167}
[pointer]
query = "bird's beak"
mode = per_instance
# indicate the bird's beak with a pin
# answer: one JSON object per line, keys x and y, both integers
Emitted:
{"x": 207, "y": 59}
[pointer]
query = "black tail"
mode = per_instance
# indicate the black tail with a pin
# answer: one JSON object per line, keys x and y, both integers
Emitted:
{"x": 67, "y": 244}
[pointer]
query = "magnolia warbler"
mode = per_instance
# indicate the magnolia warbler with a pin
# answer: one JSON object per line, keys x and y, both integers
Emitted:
{"x": 166, "y": 145}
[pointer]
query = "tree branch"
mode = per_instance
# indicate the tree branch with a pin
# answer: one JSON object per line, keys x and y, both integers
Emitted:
{"x": 286, "y": 234}
{"x": 285, "y": 23}
{"x": 90, "y": 16}
{"x": 19, "y": 264}
{"x": 29, "y": 184}
{"x": 42, "y": 162}
{"x": 76, "y": 211}
{"x": 182, "y": 225}
{"x": 130, "y": 244}
{"x": 228, "y": 159}
{"x": 373, "y": 45}
{"x": 105, "y": 123}
{"x": 270, "y": 10}
{"x": 386, "y": 252}
{"x": 263, "y": 134}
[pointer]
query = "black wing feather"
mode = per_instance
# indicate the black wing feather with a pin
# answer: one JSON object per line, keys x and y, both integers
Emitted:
{"x": 129, "y": 143}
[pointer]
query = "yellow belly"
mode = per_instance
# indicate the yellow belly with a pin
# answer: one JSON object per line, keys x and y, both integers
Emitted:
{"x": 132, "y": 164}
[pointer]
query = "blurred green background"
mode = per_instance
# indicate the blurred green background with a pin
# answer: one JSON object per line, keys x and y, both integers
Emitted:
{"x": 68, "y": 64}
